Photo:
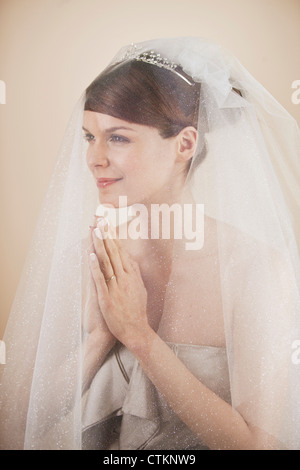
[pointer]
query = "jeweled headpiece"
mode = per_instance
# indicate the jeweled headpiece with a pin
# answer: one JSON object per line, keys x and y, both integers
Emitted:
{"x": 154, "y": 58}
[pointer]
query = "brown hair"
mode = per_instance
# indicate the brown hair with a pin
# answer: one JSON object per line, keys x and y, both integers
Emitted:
{"x": 144, "y": 93}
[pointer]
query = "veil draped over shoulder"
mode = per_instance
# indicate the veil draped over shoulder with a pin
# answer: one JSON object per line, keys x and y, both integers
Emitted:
{"x": 245, "y": 175}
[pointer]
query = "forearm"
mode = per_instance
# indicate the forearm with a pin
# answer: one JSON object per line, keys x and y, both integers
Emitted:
{"x": 95, "y": 350}
{"x": 212, "y": 419}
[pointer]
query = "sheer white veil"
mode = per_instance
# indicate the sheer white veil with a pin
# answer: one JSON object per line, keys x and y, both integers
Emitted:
{"x": 246, "y": 173}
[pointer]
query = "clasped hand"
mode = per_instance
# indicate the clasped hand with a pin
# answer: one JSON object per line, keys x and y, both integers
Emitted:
{"x": 121, "y": 293}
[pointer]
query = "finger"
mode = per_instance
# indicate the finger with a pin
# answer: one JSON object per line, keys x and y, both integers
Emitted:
{"x": 136, "y": 269}
{"x": 90, "y": 244}
{"x": 111, "y": 233}
{"x": 98, "y": 277}
{"x": 103, "y": 258}
{"x": 126, "y": 259}
{"x": 97, "y": 219}
{"x": 111, "y": 247}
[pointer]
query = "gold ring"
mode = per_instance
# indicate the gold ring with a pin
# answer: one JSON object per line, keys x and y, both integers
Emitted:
{"x": 111, "y": 278}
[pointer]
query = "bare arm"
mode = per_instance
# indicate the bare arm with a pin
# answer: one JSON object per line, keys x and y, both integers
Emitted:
{"x": 212, "y": 419}
{"x": 95, "y": 350}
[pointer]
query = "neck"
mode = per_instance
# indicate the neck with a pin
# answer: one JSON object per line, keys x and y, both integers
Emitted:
{"x": 154, "y": 226}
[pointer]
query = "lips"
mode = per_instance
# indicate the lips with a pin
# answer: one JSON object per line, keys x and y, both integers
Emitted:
{"x": 104, "y": 182}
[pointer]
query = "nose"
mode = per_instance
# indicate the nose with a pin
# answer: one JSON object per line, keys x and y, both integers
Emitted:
{"x": 97, "y": 156}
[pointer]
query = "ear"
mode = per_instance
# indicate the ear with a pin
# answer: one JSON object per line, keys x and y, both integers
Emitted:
{"x": 186, "y": 143}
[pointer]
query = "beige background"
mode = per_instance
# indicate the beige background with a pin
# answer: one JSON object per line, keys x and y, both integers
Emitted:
{"x": 50, "y": 50}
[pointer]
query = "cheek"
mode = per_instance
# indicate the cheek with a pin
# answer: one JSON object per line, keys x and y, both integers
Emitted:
{"x": 148, "y": 165}
{"x": 89, "y": 158}
{"x": 136, "y": 165}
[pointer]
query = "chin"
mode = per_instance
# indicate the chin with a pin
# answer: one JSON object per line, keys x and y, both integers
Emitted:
{"x": 113, "y": 200}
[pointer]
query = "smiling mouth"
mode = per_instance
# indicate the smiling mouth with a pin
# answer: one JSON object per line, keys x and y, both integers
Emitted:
{"x": 104, "y": 182}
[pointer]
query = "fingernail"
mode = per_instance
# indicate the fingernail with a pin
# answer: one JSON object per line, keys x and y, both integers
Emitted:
{"x": 93, "y": 257}
{"x": 98, "y": 233}
{"x": 102, "y": 223}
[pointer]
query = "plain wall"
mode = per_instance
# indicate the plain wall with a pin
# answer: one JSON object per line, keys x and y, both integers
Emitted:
{"x": 50, "y": 50}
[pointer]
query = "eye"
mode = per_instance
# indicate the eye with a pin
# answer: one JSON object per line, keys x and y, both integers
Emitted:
{"x": 88, "y": 137}
{"x": 119, "y": 139}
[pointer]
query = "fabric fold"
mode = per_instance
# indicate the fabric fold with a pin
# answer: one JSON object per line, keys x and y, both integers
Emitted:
{"x": 135, "y": 415}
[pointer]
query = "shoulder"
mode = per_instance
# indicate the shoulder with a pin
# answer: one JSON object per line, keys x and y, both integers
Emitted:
{"x": 244, "y": 258}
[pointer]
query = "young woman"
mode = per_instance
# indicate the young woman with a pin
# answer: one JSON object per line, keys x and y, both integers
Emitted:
{"x": 174, "y": 327}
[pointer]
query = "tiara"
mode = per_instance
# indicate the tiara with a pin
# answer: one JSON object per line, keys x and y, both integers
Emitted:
{"x": 154, "y": 58}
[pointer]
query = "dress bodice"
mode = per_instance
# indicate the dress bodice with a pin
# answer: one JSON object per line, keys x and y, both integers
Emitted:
{"x": 125, "y": 411}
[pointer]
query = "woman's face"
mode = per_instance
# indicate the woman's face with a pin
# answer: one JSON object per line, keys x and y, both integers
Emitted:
{"x": 132, "y": 160}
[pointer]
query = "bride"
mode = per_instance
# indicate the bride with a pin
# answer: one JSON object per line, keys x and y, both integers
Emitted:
{"x": 144, "y": 340}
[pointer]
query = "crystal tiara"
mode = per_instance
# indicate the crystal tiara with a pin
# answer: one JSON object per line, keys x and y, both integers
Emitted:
{"x": 154, "y": 58}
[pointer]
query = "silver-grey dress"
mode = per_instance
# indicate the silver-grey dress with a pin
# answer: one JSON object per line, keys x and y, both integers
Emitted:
{"x": 124, "y": 410}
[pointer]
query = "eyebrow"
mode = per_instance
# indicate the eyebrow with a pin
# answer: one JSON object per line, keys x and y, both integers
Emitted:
{"x": 113, "y": 129}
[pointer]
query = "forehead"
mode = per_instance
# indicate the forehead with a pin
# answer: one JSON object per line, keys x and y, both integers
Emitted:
{"x": 94, "y": 121}
{"x": 102, "y": 120}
